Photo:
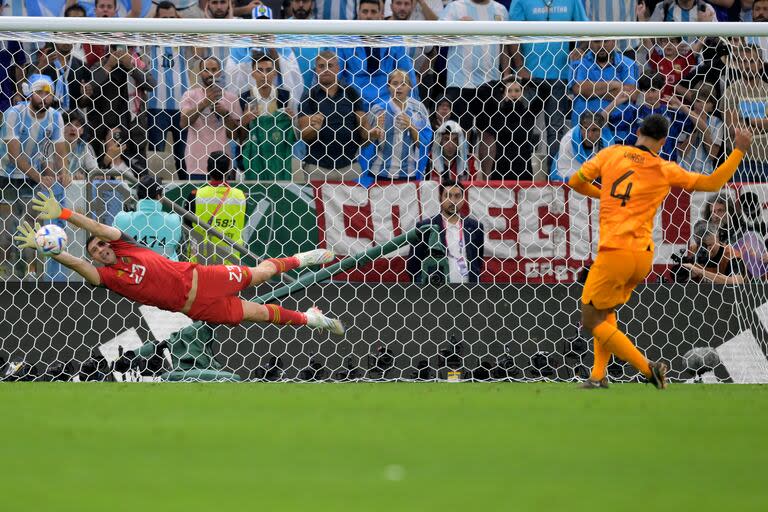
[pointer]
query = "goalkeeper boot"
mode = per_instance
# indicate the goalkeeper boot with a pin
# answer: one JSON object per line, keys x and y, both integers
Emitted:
{"x": 658, "y": 374}
{"x": 595, "y": 384}
{"x": 317, "y": 320}
{"x": 315, "y": 257}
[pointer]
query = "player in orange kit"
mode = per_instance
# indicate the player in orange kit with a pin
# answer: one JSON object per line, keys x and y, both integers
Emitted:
{"x": 634, "y": 182}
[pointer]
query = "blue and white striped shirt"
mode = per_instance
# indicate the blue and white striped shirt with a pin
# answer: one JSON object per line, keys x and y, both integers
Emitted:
{"x": 50, "y": 8}
{"x": 36, "y": 136}
{"x": 168, "y": 66}
{"x": 472, "y": 66}
{"x": 398, "y": 155}
{"x": 335, "y": 9}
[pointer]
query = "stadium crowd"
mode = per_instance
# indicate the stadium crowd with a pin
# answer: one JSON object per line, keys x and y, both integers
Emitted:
{"x": 534, "y": 111}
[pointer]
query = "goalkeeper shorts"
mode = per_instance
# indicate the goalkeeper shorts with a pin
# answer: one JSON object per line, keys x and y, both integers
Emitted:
{"x": 217, "y": 298}
{"x": 614, "y": 275}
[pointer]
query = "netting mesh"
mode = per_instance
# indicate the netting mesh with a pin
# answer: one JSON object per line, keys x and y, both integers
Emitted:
{"x": 342, "y": 142}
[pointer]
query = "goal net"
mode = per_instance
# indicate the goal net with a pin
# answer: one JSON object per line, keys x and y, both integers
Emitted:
{"x": 352, "y": 136}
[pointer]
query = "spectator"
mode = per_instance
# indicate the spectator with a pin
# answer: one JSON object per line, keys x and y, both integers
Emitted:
{"x": 210, "y": 115}
{"x": 117, "y": 158}
{"x": 221, "y": 206}
{"x": 546, "y": 64}
{"x": 332, "y": 124}
{"x": 720, "y": 213}
{"x": 703, "y": 146}
{"x": 95, "y": 53}
{"x": 721, "y": 265}
{"x": 625, "y": 121}
{"x": 461, "y": 237}
{"x": 746, "y": 104}
{"x": 367, "y": 68}
{"x": 110, "y": 98}
{"x": 759, "y": 14}
{"x": 240, "y": 67}
{"x": 403, "y": 134}
{"x": 472, "y": 70}
{"x": 675, "y": 60}
{"x": 12, "y": 62}
{"x": 404, "y": 10}
{"x": 68, "y": 73}
{"x": 512, "y": 123}
{"x": 612, "y": 10}
{"x": 79, "y": 160}
{"x": 443, "y": 112}
{"x": 335, "y": 9}
{"x": 429, "y": 10}
{"x": 451, "y": 158}
{"x": 33, "y": 8}
{"x": 268, "y": 122}
{"x": 33, "y": 135}
{"x": 303, "y": 10}
{"x": 149, "y": 224}
{"x": 599, "y": 76}
{"x": 678, "y": 10}
{"x": 123, "y": 8}
{"x": 168, "y": 66}
{"x": 33, "y": 132}
{"x": 581, "y": 143}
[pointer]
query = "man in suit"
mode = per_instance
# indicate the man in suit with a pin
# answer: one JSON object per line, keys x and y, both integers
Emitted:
{"x": 461, "y": 242}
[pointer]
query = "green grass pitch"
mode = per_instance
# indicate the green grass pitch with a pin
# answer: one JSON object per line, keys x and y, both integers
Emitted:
{"x": 382, "y": 447}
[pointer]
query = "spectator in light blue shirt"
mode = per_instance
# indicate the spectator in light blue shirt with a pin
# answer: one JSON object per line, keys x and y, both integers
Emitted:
{"x": 599, "y": 76}
{"x": 547, "y": 64}
{"x": 367, "y": 68}
{"x": 149, "y": 224}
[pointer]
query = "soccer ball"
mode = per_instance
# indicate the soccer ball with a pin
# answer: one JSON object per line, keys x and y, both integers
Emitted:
{"x": 51, "y": 240}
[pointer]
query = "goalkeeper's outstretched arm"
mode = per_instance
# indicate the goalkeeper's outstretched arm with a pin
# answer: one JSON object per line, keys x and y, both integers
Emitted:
{"x": 49, "y": 208}
{"x": 80, "y": 266}
{"x": 26, "y": 240}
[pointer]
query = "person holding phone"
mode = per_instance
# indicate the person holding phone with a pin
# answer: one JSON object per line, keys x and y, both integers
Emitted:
{"x": 210, "y": 115}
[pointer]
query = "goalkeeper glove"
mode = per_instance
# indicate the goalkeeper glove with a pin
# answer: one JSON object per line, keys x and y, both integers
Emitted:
{"x": 47, "y": 205}
{"x": 26, "y": 238}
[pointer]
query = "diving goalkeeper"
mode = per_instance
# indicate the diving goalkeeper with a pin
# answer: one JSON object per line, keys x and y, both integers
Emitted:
{"x": 201, "y": 292}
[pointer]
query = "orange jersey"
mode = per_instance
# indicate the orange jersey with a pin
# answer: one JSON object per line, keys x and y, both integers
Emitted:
{"x": 634, "y": 182}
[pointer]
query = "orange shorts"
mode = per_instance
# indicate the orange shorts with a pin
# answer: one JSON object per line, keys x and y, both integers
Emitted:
{"x": 614, "y": 275}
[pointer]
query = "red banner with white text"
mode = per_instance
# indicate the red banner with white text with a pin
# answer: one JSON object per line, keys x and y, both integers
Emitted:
{"x": 534, "y": 232}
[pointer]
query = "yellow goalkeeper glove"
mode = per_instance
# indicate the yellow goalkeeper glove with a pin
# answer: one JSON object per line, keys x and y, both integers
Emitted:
{"x": 47, "y": 205}
{"x": 26, "y": 238}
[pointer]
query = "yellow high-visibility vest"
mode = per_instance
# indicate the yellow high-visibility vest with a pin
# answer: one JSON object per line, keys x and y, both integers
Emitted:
{"x": 223, "y": 207}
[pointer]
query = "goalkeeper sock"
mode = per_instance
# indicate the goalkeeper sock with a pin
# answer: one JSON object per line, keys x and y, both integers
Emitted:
{"x": 602, "y": 354}
{"x": 617, "y": 343}
{"x": 285, "y": 264}
{"x": 280, "y": 315}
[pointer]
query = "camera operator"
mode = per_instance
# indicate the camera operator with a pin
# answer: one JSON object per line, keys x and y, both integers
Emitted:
{"x": 714, "y": 261}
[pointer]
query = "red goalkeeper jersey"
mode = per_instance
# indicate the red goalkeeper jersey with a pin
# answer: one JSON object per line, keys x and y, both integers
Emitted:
{"x": 142, "y": 275}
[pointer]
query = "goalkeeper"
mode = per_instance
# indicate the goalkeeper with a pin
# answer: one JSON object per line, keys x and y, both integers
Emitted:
{"x": 201, "y": 292}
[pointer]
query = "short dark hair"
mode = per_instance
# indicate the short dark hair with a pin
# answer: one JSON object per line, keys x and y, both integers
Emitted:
{"x": 657, "y": 81}
{"x": 446, "y": 184}
{"x": 588, "y": 118}
{"x": 377, "y": 2}
{"x": 219, "y": 165}
{"x": 88, "y": 241}
{"x": 655, "y": 126}
{"x": 73, "y": 116}
{"x": 165, "y": 4}
{"x": 259, "y": 56}
{"x": 149, "y": 187}
{"x": 74, "y": 7}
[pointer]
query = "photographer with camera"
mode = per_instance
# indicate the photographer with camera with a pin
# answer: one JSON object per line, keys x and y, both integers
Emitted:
{"x": 460, "y": 248}
{"x": 711, "y": 260}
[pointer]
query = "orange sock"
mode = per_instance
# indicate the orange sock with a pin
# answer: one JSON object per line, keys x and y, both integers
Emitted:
{"x": 602, "y": 355}
{"x": 617, "y": 343}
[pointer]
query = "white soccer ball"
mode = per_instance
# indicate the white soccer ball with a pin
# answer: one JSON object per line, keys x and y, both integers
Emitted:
{"x": 51, "y": 240}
